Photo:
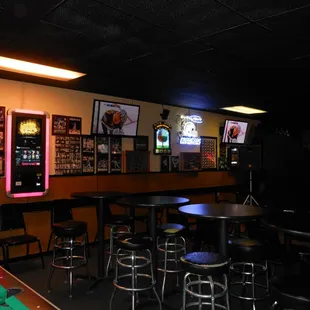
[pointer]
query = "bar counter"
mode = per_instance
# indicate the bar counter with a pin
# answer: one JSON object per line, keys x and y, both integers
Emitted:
{"x": 199, "y": 187}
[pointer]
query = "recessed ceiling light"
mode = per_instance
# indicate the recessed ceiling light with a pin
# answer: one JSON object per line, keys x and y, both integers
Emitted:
{"x": 244, "y": 110}
{"x": 24, "y": 67}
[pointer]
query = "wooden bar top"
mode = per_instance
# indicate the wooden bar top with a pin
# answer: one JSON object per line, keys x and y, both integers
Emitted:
{"x": 30, "y": 298}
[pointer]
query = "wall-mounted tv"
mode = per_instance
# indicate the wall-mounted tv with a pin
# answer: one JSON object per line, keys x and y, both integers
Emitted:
{"x": 234, "y": 132}
{"x": 111, "y": 118}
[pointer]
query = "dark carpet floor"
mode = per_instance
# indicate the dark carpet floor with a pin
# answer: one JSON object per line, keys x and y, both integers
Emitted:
{"x": 32, "y": 274}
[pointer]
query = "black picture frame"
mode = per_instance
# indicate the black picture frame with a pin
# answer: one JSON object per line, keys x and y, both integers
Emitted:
{"x": 141, "y": 143}
{"x": 74, "y": 126}
{"x": 208, "y": 151}
{"x": 59, "y": 131}
{"x": 175, "y": 163}
{"x": 96, "y": 115}
{"x": 165, "y": 163}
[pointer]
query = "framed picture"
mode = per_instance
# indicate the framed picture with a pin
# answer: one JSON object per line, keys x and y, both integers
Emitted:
{"x": 59, "y": 125}
{"x": 74, "y": 126}
{"x": 164, "y": 163}
{"x": 190, "y": 161}
{"x": 2, "y": 117}
{"x": 208, "y": 151}
{"x": 141, "y": 143}
{"x": 175, "y": 163}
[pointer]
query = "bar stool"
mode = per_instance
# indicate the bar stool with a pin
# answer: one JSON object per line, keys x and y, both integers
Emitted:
{"x": 116, "y": 222}
{"x": 66, "y": 243}
{"x": 205, "y": 266}
{"x": 130, "y": 245}
{"x": 247, "y": 256}
{"x": 174, "y": 245}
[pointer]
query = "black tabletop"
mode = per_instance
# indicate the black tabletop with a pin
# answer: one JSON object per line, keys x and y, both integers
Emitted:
{"x": 222, "y": 211}
{"x": 153, "y": 201}
{"x": 99, "y": 195}
{"x": 297, "y": 225}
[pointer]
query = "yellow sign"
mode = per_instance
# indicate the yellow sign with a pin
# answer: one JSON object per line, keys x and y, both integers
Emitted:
{"x": 29, "y": 127}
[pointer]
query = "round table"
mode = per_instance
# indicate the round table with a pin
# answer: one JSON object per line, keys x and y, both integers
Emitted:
{"x": 103, "y": 200}
{"x": 152, "y": 203}
{"x": 223, "y": 213}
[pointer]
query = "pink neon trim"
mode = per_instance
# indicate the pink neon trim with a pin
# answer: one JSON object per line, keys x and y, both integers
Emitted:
{"x": 22, "y": 195}
{"x": 8, "y": 154}
{"x": 47, "y": 153}
{"x": 28, "y": 111}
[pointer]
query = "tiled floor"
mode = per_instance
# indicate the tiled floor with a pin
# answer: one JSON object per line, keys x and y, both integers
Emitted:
{"x": 31, "y": 273}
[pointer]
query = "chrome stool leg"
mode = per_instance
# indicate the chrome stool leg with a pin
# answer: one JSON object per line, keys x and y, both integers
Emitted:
{"x": 134, "y": 275}
{"x": 67, "y": 260}
{"x": 114, "y": 234}
{"x": 249, "y": 271}
{"x": 174, "y": 247}
{"x": 217, "y": 291}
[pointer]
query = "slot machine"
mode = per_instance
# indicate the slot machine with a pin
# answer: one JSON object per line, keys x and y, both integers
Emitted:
{"x": 27, "y": 153}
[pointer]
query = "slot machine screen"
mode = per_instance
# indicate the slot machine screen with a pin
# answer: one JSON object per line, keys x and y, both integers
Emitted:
{"x": 27, "y": 170}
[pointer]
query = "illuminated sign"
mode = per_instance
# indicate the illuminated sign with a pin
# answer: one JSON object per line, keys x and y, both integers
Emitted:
{"x": 162, "y": 138}
{"x": 189, "y": 134}
{"x": 29, "y": 127}
{"x": 192, "y": 118}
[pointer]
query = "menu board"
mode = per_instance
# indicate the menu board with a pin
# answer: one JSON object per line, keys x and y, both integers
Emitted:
{"x": 68, "y": 155}
{"x": 88, "y": 154}
{"x": 102, "y": 149}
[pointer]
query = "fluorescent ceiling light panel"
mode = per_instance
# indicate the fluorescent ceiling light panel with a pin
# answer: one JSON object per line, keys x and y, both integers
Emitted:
{"x": 24, "y": 67}
{"x": 244, "y": 110}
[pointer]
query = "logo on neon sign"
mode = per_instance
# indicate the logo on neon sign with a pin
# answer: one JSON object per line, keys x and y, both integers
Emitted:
{"x": 189, "y": 133}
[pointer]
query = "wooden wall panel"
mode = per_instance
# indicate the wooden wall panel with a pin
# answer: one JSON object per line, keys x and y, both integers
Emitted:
{"x": 38, "y": 223}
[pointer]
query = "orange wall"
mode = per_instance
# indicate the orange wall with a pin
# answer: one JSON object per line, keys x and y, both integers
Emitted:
{"x": 76, "y": 103}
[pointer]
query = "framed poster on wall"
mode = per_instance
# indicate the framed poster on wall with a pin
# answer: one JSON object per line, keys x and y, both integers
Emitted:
{"x": 208, "y": 151}
{"x": 190, "y": 161}
{"x": 115, "y": 119}
{"x": 74, "y": 126}
{"x": 141, "y": 143}
{"x": 136, "y": 161}
{"x": 102, "y": 156}
{"x": 88, "y": 154}
{"x": 59, "y": 125}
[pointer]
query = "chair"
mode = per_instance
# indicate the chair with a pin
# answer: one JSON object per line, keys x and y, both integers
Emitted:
{"x": 11, "y": 218}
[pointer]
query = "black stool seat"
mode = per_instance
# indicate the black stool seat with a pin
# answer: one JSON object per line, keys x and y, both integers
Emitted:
{"x": 70, "y": 228}
{"x": 171, "y": 230}
{"x": 204, "y": 263}
{"x": 246, "y": 249}
{"x": 135, "y": 242}
{"x": 292, "y": 291}
{"x": 118, "y": 219}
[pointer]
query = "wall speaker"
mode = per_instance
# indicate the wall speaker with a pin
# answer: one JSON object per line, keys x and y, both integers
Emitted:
{"x": 165, "y": 114}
